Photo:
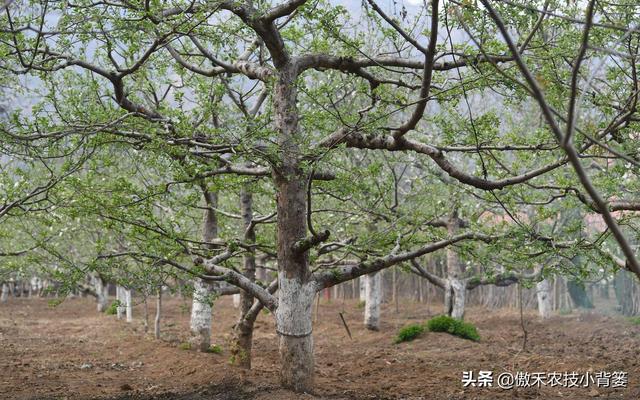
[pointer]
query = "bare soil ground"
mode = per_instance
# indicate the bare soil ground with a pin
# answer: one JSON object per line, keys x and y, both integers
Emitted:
{"x": 72, "y": 352}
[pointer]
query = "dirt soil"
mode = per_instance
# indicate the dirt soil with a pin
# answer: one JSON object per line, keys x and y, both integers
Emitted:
{"x": 72, "y": 352}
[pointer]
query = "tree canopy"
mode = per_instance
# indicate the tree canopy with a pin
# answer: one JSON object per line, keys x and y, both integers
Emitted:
{"x": 357, "y": 128}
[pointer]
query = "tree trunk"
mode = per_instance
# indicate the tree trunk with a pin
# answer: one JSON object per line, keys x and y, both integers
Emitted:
{"x": 294, "y": 325}
{"x": 201, "y": 315}
{"x": 102, "y": 295}
{"x": 363, "y": 287}
{"x": 394, "y": 289}
{"x": 543, "y": 292}
{"x": 455, "y": 302}
{"x": 244, "y": 328}
{"x": 296, "y": 290}
{"x": 578, "y": 294}
{"x": 373, "y": 296}
{"x": 202, "y": 293}
{"x": 459, "y": 295}
{"x": 120, "y": 297}
{"x": 5, "y": 293}
{"x": 156, "y": 325}
{"x": 128, "y": 305}
{"x": 146, "y": 314}
{"x": 236, "y": 300}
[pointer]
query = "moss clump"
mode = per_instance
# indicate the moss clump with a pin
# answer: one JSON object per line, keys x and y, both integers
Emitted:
{"x": 215, "y": 348}
{"x": 112, "y": 309}
{"x": 184, "y": 346}
{"x": 361, "y": 304}
{"x": 444, "y": 323}
{"x": 409, "y": 332}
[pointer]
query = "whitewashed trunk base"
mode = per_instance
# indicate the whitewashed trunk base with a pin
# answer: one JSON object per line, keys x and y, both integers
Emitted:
{"x": 236, "y": 300}
{"x": 294, "y": 326}
{"x": 543, "y": 293}
{"x": 5, "y": 293}
{"x": 459, "y": 290}
{"x": 102, "y": 294}
{"x": 120, "y": 297}
{"x": 128, "y": 305}
{"x": 201, "y": 316}
{"x": 373, "y": 297}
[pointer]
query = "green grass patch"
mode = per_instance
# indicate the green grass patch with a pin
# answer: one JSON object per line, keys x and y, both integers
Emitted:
{"x": 215, "y": 348}
{"x": 361, "y": 304}
{"x": 409, "y": 332}
{"x": 54, "y": 303}
{"x": 184, "y": 346}
{"x": 113, "y": 308}
{"x": 634, "y": 320}
{"x": 444, "y": 323}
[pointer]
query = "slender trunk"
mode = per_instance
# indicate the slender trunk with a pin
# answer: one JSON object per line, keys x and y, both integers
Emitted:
{"x": 203, "y": 292}
{"x": 296, "y": 289}
{"x": 395, "y": 288}
{"x": 363, "y": 287}
{"x": 128, "y": 305}
{"x": 236, "y": 300}
{"x": 120, "y": 298}
{"x": 156, "y": 325}
{"x": 101, "y": 293}
{"x": 555, "y": 293}
{"x": 244, "y": 328}
{"x": 5, "y": 293}
{"x": 543, "y": 291}
{"x": 146, "y": 314}
{"x": 455, "y": 274}
{"x": 373, "y": 295}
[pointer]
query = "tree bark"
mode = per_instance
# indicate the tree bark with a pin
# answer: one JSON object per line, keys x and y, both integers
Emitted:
{"x": 394, "y": 288}
{"x": 156, "y": 325}
{"x": 459, "y": 292}
{"x": 201, "y": 315}
{"x": 373, "y": 297}
{"x": 362, "y": 287}
{"x": 128, "y": 305}
{"x": 236, "y": 300}
{"x": 120, "y": 297}
{"x": 146, "y": 314}
{"x": 102, "y": 295}
{"x": 543, "y": 292}
{"x": 202, "y": 294}
{"x": 296, "y": 289}
{"x": 244, "y": 328}
{"x": 5, "y": 293}
{"x": 455, "y": 296}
